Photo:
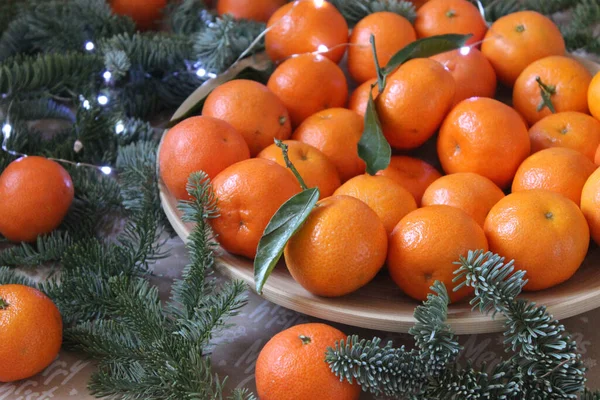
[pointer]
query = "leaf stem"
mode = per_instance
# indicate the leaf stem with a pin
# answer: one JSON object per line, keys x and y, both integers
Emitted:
{"x": 546, "y": 91}
{"x": 3, "y": 304}
{"x": 380, "y": 75}
{"x": 289, "y": 164}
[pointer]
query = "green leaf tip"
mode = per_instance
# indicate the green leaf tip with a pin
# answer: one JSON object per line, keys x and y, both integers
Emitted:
{"x": 373, "y": 147}
{"x": 282, "y": 226}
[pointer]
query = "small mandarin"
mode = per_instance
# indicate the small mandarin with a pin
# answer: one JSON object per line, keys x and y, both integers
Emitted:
{"x": 306, "y": 26}
{"x": 566, "y": 79}
{"x": 590, "y": 204}
{"x": 313, "y": 166}
{"x": 413, "y": 174}
{"x": 307, "y": 84}
{"x": 145, "y": 13}
{"x": 198, "y": 144}
{"x": 570, "y": 129}
{"x": 360, "y": 96}
{"x": 249, "y": 193}
{"x": 336, "y": 132}
{"x": 472, "y": 193}
{"x": 560, "y": 230}
{"x": 424, "y": 245}
{"x": 518, "y": 39}
{"x": 292, "y": 366}
{"x": 340, "y": 247}
{"x": 439, "y": 17}
{"x": 390, "y": 201}
{"x": 557, "y": 169}
{"x": 257, "y": 10}
{"x": 392, "y": 32}
{"x": 594, "y": 96}
{"x": 252, "y": 109}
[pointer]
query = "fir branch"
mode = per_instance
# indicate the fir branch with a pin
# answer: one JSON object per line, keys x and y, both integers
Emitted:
{"x": 188, "y": 16}
{"x": 220, "y": 44}
{"x": 39, "y": 108}
{"x": 50, "y": 74}
{"x": 579, "y": 33}
{"x": 355, "y": 10}
{"x": 61, "y": 26}
{"x": 47, "y": 248}
{"x": 9, "y": 276}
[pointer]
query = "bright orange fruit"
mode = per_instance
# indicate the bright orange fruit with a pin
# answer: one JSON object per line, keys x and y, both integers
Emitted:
{"x": 257, "y": 10}
{"x": 440, "y": 17}
{"x": 413, "y": 174}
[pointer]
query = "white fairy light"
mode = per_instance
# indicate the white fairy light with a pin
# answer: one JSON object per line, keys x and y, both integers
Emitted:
{"x": 7, "y": 130}
{"x": 86, "y": 104}
{"x": 77, "y": 146}
{"x": 465, "y": 50}
{"x": 119, "y": 128}
{"x": 106, "y": 170}
{"x": 107, "y": 75}
{"x": 103, "y": 100}
{"x": 201, "y": 72}
{"x": 319, "y": 3}
{"x": 322, "y": 48}
{"x": 89, "y": 46}
{"x": 211, "y": 75}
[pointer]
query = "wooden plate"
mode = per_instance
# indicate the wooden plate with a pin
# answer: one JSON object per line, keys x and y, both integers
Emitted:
{"x": 381, "y": 305}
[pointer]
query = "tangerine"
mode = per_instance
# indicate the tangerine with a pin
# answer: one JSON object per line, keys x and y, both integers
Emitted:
{"x": 594, "y": 96}
{"x": 570, "y": 129}
{"x": 472, "y": 193}
{"x": 360, "y": 96}
{"x": 336, "y": 132}
{"x": 392, "y": 32}
{"x": 35, "y": 196}
{"x": 247, "y": 201}
{"x": 486, "y": 137}
{"x": 252, "y": 109}
{"x": 145, "y": 13}
{"x": 566, "y": 79}
{"x": 331, "y": 254}
{"x": 439, "y": 17}
{"x": 413, "y": 174}
{"x": 425, "y": 244}
{"x": 314, "y": 167}
{"x": 560, "y": 230}
{"x": 518, "y": 39}
{"x": 307, "y": 84}
{"x": 257, "y": 10}
{"x": 590, "y": 204}
{"x": 414, "y": 102}
{"x": 390, "y": 201}
{"x": 198, "y": 144}
{"x": 31, "y": 333}
{"x": 557, "y": 169}
{"x": 292, "y": 366}
{"x": 306, "y": 26}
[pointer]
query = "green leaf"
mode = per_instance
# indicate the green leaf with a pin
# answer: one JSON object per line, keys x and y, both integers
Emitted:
{"x": 426, "y": 47}
{"x": 286, "y": 221}
{"x": 373, "y": 147}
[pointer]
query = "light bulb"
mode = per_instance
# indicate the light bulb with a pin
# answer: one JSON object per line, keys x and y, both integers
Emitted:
{"x": 322, "y": 48}
{"x": 465, "y": 50}
{"x": 201, "y": 72}
{"x": 106, "y": 170}
{"x": 86, "y": 104}
{"x": 119, "y": 128}
{"x": 107, "y": 75}
{"x": 103, "y": 100}
{"x": 7, "y": 130}
{"x": 89, "y": 46}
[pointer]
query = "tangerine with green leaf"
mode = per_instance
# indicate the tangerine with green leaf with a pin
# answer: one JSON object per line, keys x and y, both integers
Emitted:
{"x": 291, "y": 366}
{"x": 249, "y": 193}
{"x": 314, "y": 167}
{"x": 35, "y": 196}
{"x": 30, "y": 332}
{"x": 562, "y": 80}
{"x": 391, "y": 31}
{"x": 360, "y": 96}
{"x": 340, "y": 247}
{"x": 414, "y": 102}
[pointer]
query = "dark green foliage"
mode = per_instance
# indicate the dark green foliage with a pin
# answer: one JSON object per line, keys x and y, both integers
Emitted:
{"x": 355, "y": 10}
{"x": 188, "y": 16}
{"x": 47, "y": 248}
{"x": 9, "y": 276}
{"x": 579, "y": 32}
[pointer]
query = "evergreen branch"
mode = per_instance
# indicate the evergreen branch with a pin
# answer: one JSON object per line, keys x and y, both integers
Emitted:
{"x": 53, "y": 74}
{"x": 589, "y": 394}
{"x": 378, "y": 369}
{"x": 60, "y": 26}
{"x": 432, "y": 334}
{"x": 220, "y": 44}
{"x": 47, "y": 248}
{"x": 40, "y": 108}
{"x": 189, "y": 16}
{"x": 355, "y": 10}
{"x": 579, "y": 33}
{"x": 9, "y": 276}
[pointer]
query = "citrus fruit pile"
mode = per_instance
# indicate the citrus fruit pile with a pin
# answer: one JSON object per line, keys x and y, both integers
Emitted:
{"x": 520, "y": 180}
